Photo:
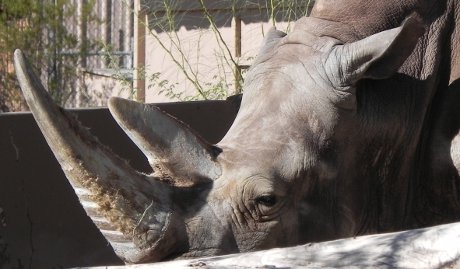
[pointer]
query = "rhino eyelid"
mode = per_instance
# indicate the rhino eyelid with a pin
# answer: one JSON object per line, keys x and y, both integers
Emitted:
{"x": 267, "y": 200}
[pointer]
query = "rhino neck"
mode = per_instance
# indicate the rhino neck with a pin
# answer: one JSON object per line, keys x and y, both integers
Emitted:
{"x": 399, "y": 127}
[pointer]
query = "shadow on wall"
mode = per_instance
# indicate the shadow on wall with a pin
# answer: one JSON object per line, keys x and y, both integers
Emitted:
{"x": 190, "y": 14}
{"x": 42, "y": 224}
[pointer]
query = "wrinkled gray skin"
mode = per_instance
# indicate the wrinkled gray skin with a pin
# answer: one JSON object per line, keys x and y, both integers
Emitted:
{"x": 345, "y": 128}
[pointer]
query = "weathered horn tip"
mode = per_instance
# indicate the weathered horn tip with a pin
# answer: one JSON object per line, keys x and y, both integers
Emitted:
{"x": 18, "y": 58}
{"x": 118, "y": 106}
{"x": 18, "y": 53}
{"x": 32, "y": 88}
{"x": 115, "y": 100}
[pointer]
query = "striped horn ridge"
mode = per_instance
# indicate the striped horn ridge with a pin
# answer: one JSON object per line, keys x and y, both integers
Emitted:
{"x": 132, "y": 210}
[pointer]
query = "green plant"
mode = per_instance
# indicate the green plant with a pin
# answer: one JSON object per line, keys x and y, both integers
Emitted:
{"x": 166, "y": 18}
{"x": 39, "y": 29}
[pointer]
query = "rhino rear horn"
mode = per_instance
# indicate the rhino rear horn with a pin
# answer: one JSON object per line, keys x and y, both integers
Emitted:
{"x": 167, "y": 142}
{"x": 132, "y": 210}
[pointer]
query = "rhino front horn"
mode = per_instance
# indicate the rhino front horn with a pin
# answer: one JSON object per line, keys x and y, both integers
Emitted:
{"x": 132, "y": 210}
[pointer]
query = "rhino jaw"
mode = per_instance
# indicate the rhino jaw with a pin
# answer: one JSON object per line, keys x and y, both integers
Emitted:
{"x": 132, "y": 210}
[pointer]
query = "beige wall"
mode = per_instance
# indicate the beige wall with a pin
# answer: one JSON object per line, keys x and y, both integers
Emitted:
{"x": 205, "y": 56}
{"x": 206, "y": 59}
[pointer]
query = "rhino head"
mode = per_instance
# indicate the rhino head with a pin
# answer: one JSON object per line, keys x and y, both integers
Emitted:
{"x": 273, "y": 180}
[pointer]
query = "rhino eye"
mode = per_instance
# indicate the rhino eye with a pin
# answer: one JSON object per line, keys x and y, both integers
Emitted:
{"x": 266, "y": 200}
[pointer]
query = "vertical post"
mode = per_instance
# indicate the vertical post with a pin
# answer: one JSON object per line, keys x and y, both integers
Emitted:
{"x": 237, "y": 36}
{"x": 108, "y": 27}
{"x": 130, "y": 30}
{"x": 121, "y": 47}
{"x": 83, "y": 33}
{"x": 238, "y": 76}
{"x": 140, "y": 24}
{"x": 52, "y": 61}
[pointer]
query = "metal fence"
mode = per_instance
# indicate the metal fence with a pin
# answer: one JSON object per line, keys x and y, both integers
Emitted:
{"x": 105, "y": 32}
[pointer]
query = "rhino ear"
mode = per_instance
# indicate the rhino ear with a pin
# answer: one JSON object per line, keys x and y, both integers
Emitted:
{"x": 166, "y": 142}
{"x": 272, "y": 38}
{"x": 380, "y": 55}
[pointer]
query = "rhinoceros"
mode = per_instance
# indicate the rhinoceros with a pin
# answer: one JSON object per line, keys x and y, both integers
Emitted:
{"x": 348, "y": 125}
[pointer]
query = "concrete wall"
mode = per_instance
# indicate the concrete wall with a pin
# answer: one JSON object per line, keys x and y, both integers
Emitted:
{"x": 41, "y": 222}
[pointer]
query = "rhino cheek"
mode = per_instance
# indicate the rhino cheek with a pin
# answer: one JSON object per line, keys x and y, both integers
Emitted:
{"x": 252, "y": 235}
